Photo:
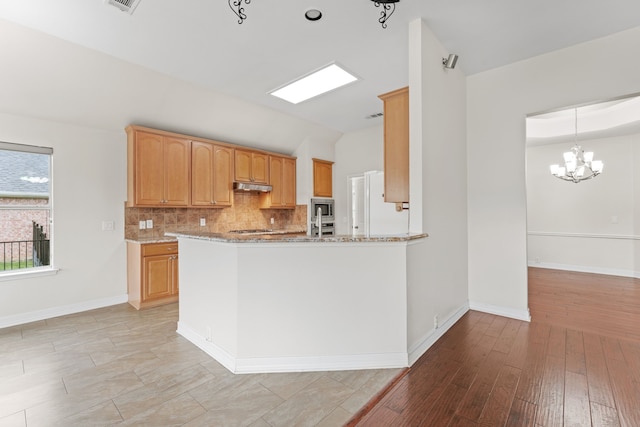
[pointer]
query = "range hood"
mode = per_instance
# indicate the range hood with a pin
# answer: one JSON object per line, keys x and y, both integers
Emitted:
{"x": 244, "y": 186}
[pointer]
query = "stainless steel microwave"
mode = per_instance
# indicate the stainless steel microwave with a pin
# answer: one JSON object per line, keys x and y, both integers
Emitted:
{"x": 326, "y": 207}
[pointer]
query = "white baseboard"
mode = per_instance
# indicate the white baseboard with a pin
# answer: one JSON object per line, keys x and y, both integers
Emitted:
{"x": 218, "y": 353}
{"x": 501, "y": 311}
{"x": 424, "y": 343}
{"x": 293, "y": 364}
{"x": 586, "y": 269}
{"x": 48, "y": 313}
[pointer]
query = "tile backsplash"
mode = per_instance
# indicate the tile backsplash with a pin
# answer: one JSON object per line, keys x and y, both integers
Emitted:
{"x": 244, "y": 214}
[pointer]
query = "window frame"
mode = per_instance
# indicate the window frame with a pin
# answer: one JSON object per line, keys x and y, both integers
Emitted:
{"x": 50, "y": 269}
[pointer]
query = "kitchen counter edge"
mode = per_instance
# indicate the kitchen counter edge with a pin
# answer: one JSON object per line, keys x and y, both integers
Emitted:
{"x": 294, "y": 238}
{"x": 147, "y": 240}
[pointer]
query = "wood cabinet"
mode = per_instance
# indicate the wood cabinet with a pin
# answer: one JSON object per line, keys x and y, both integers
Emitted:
{"x": 322, "y": 178}
{"x": 396, "y": 145}
{"x": 251, "y": 166}
{"x": 152, "y": 273}
{"x": 158, "y": 171}
{"x": 211, "y": 175}
{"x": 282, "y": 175}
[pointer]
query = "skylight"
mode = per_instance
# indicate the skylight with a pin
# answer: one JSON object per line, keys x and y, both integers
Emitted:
{"x": 314, "y": 84}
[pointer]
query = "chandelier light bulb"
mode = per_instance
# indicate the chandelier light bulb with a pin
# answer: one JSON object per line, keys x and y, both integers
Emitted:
{"x": 588, "y": 157}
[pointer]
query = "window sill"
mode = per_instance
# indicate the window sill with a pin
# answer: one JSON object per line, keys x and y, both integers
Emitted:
{"x": 27, "y": 273}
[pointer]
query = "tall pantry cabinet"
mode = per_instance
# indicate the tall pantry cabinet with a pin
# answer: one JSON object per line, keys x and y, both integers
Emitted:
{"x": 396, "y": 146}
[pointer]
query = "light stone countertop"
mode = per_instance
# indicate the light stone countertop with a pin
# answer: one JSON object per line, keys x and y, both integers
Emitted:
{"x": 272, "y": 237}
{"x": 165, "y": 239}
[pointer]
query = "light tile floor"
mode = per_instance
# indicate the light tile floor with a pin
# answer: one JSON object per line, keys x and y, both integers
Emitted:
{"x": 117, "y": 367}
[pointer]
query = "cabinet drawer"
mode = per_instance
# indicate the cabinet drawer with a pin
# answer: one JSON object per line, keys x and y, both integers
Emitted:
{"x": 150, "y": 249}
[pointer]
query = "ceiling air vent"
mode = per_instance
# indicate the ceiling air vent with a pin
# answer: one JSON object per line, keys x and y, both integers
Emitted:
{"x": 124, "y": 5}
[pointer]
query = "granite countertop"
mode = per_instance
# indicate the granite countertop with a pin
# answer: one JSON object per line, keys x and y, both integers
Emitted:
{"x": 144, "y": 240}
{"x": 292, "y": 237}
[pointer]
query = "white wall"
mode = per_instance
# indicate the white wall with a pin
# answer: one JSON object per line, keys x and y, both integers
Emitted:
{"x": 589, "y": 226}
{"x": 260, "y": 315}
{"x": 89, "y": 186}
{"x": 356, "y": 152}
{"x": 46, "y": 77}
{"x": 498, "y": 101}
{"x": 437, "y": 282}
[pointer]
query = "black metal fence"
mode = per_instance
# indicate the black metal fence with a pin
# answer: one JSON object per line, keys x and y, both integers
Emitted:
{"x": 26, "y": 253}
{"x": 41, "y": 249}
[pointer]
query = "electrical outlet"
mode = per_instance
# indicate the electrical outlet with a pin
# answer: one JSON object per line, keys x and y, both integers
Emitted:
{"x": 203, "y": 222}
{"x": 273, "y": 221}
{"x": 149, "y": 223}
{"x": 143, "y": 225}
{"x": 108, "y": 225}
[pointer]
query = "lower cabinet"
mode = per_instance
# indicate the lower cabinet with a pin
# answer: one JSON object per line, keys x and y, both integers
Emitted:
{"x": 152, "y": 273}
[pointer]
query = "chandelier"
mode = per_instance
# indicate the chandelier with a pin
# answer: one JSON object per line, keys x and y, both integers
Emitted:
{"x": 388, "y": 7}
{"x": 578, "y": 165}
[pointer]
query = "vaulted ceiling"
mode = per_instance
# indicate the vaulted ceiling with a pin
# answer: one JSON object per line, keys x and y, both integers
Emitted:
{"x": 200, "y": 41}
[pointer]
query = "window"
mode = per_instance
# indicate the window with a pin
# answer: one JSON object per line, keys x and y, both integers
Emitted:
{"x": 25, "y": 208}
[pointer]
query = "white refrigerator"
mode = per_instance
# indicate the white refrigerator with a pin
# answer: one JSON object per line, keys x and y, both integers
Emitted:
{"x": 370, "y": 215}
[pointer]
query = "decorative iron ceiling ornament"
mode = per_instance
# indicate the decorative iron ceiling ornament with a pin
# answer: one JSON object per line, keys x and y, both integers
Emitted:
{"x": 236, "y": 6}
{"x": 387, "y": 5}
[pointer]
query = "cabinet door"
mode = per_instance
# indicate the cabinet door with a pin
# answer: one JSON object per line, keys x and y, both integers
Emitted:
{"x": 222, "y": 176}
{"x": 396, "y": 146}
{"x": 276, "y": 181}
{"x": 252, "y": 167}
{"x": 260, "y": 168}
{"x": 149, "y": 173}
{"x": 243, "y": 161}
{"x": 289, "y": 182}
{"x": 173, "y": 266}
{"x": 157, "y": 277}
{"x": 322, "y": 178}
{"x": 177, "y": 155}
{"x": 202, "y": 155}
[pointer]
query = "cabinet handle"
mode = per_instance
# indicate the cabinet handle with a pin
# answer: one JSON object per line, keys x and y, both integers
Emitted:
{"x": 171, "y": 249}
{"x": 213, "y": 202}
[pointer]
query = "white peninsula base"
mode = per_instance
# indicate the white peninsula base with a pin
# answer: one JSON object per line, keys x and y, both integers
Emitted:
{"x": 286, "y": 306}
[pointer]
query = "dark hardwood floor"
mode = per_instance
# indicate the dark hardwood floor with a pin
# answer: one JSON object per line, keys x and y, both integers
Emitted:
{"x": 576, "y": 364}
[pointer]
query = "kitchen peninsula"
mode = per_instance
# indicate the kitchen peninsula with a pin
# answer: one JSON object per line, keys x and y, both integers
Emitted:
{"x": 284, "y": 302}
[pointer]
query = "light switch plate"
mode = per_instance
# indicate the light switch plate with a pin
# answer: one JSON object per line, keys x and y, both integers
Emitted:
{"x": 149, "y": 223}
{"x": 203, "y": 222}
{"x": 142, "y": 225}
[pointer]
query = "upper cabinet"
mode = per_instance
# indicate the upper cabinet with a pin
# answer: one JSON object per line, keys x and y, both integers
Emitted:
{"x": 158, "y": 168}
{"x": 322, "y": 178}
{"x": 282, "y": 173}
{"x": 251, "y": 166}
{"x": 396, "y": 145}
{"x": 211, "y": 175}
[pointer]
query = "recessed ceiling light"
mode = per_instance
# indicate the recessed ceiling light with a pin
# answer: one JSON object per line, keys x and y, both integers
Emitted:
{"x": 313, "y": 14}
{"x": 314, "y": 84}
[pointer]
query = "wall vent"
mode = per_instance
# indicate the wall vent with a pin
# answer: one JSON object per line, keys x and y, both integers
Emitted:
{"x": 373, "y": 116}
{"x": 124, "y": 5}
